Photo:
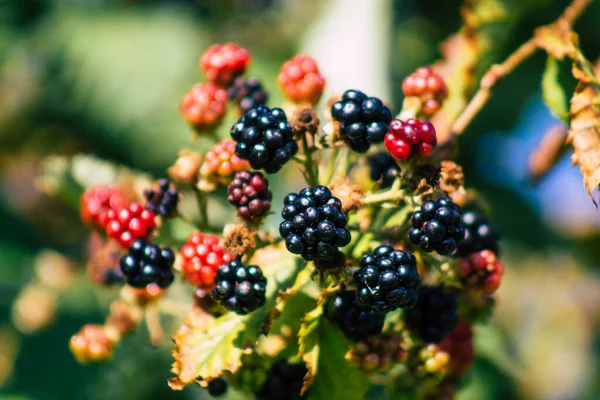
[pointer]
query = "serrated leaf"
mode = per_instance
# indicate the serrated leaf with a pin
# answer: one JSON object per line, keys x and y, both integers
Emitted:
{"x": 308, "y": 339}
{"x": 337, "y": 379}
{"x": 207, "y": 350}
{"x": 552, "y": 91}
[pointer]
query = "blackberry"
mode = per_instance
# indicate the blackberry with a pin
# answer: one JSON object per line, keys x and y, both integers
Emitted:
{"x": 146, "y": 263}
{"x": 284, "y": 382}
{"x": 238, "y": 288}
{"x": 163, "y": 200}
{"x": 434, "y": 315}
{"x": 363, "y": 120}
{"x": 387, "y": 279}
{"x": 383, "y": 169}
{"x": 249, "y": 194}
{"x": 217, "y": 387}
{"x": 314, "y": 224}
{"x": 265, "y": 138}
{"x": 355, "y": 322}
{"x": 247, "y": 93}
{"x": 480, "y": 234}
{"x": 437, "y": 226}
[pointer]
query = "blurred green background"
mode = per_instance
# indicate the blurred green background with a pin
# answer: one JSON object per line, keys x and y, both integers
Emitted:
{"x": 106, "y": 76}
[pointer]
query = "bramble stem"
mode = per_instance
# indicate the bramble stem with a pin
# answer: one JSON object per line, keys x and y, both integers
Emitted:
{"x": 389, "y": 196}
{"x": 202, "y": 209}
{"x": 311, "y": 170}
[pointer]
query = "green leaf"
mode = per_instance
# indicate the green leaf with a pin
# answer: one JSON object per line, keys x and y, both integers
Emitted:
{"x": 337, "y": 379}
{"x": 308, "y": 339}
{"x": 206, "y": 348}
{"x": 552, "y": 91}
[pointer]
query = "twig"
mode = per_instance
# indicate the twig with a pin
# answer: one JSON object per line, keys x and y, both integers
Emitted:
{"x": 312, "y": 173}
{"x": 154, "y": 326}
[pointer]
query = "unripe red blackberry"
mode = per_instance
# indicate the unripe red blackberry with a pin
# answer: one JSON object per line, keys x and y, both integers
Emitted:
{"x": 387, "y": 279}
{"x": 249, "y": 194}
{"x": 413, "y": 138}
{"x": 428, "y": 86}
{"x": 163, "y": 199}
{"x": 300, "y": 80}
{"x": 247, "y": 93}
{"x": 284, "y": 381}
{"x": 355, "y": 322}
{"x": 129, "y": 223}
{"x": 222, "y": 63}
{"x": 204, "y": 106}
{"x": 437, "y": 226}
{"x": 239, "y": 288}
{"x": 363, "y": 120}
{"x": 201, "y": 256}
{"x": 480, "y": 272}
{"x": 378, "y": 352}
{"x": 147, "y": 264}
{"x": 97, "y": 200}
{"x": 93, "y": 343}
{"x": 480, "y": 234}
{"x": 459, "y": 346}
{"x": 220, "y": 165}
{"x": 434, "y": 315}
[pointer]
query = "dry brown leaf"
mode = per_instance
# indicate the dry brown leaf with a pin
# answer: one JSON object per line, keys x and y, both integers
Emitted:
{"x": 555, "y": 41}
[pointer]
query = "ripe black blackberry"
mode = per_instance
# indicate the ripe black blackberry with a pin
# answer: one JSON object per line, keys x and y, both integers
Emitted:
{"x": 284, "y": 382}
{"x": 354, "y": 321}
{"x": 265, "y": 138}
{"x": 314, "y": 224}
{"x": 238, "y": 288}
{"x": 480, "y": 234}
{"x": 249, "y": 194}
{"x": 163, "y": 199}
{"x": 217, "y": 387}
{"x": 146, "y": 263}
{"x": 363, "y": 120}
{"x": 434, "y": 315}
{"x": 387, "y": 280}
{"x": 384, "y": 169}
{"x": 437, "y": 226}
{"x": 247, "y": 93}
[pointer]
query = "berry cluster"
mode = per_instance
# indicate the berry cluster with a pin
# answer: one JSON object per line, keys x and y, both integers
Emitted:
{"x": 204, "y": 106}
{"x": 146, "y": 263}
{"x": 480, "y": 271}
{"x": 97, "y": 200}
{"x": 201, "y": 256}
{"x": 387, "y": 279}
{"x": 129, "y": 223}
{"x": 459, "y": 345}
{"x": 249, "y": 194}
{"x": 383, "y": 169}
{"x": 220, "y": 165}
{"x": 265, "y": 138}
{"x": 284, "y": 382}
{"x": 355, "y": 322}
{"x": 92, "y": 343}
{"x": 300, "y": 80}
{"x": 428, "y": 86}
{"x": 247, "y": 93}
{"x": 434, "y": 315}
{"x": 437, "y": 226}
{"x": 314, "y": 224}
{"x": 222, "y": 63}
{"x": 238, "y": 288}
{"x": 410, "y": 138}
{"x": 163, "y": 200}
{"x": 378, "y": 352}
{"x": 480, "y": 234}
{"x": 363, "y": 120}
{"x": 429, "y": 361}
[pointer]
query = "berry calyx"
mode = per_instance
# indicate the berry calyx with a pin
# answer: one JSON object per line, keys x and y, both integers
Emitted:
{"x": 413, "y": 138}
{"x": 204, "y": 106}
{"x": 97, "y": 200}
{"x": 480, "y": 272}
{"x": 129, "y": 223}
{"x": 162, "y": 200}
{"x": 201, "y": 256}
{"x": 356, "y": 322}
{"x": 428, "y": 86}
{"x": 300, "y": 80}
{"x": 239, "y": 288}
{"x": 220, "y": 165}
{"x": 363, "y": 120}
{"x": 314, "y": 224}
{"x": 387, "y": 279}
{"x": 434, "y": 315}
{"x": 383, "y": 169}
{"x": 249, "y": 194}
{"x": 222, "y": 63}
{"x": 480, "y": 234}
{"x": 265, "y": 138}
{"x": 147, "y": 264}
{"x": 247, "y": 93}
{"x": 437, "y": 226}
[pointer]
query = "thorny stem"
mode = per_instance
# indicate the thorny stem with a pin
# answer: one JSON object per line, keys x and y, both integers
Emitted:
{"x": 499, "y": 71}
